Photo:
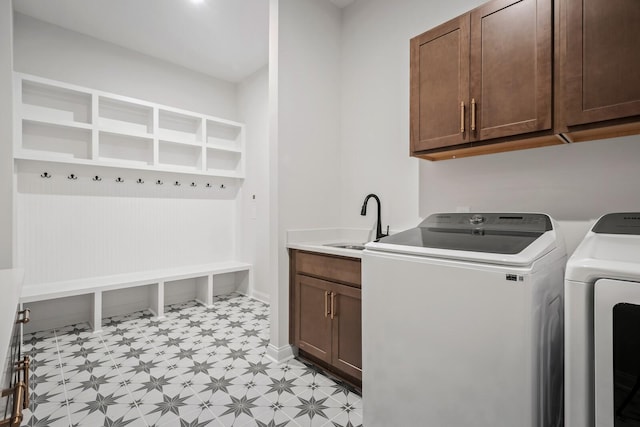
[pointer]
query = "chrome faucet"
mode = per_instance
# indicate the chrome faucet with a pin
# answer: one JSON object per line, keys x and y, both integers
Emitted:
{"x": 363, "y": 212}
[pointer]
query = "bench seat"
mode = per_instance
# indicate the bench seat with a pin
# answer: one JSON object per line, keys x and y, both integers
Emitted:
{"x": 204, "y": 273}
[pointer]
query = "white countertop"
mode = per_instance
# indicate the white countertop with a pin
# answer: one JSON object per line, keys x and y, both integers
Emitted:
{"x": 316, "y": 239}
{"x": 321, "y": 248}
{"x": 10, "y": 288}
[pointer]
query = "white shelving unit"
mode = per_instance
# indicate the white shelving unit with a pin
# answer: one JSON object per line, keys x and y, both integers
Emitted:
{"x": 64, "y": 123}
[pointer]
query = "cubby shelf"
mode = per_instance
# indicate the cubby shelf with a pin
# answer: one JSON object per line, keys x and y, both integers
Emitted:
{"x": 64, "y": 123}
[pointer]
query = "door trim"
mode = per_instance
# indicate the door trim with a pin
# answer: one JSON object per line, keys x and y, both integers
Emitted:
{"x": 607, "y": 294}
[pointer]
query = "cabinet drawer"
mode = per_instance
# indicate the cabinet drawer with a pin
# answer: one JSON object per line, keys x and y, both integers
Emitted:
{"x": 339, "y": 269}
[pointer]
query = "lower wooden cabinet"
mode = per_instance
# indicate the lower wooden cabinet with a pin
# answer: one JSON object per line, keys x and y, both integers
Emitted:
{"x": 326, "y": 312}
{"x": 313, "y": 325}
{"x": 346, "y": 344}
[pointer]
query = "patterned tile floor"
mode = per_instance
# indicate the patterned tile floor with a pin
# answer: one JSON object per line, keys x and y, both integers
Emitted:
{"x": 197, "y": 367}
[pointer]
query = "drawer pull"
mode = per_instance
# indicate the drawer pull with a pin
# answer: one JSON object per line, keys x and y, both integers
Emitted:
{"x": 26, "y": 313}
{"x": 19, "y": 393}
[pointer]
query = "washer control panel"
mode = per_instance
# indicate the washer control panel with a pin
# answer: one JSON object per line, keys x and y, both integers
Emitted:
{"x": 619, "y": 223}
{"x": 504, "y": 222}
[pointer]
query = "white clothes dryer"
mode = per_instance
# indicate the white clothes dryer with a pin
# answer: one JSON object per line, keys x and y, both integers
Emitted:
{"x": 602, "y": 318}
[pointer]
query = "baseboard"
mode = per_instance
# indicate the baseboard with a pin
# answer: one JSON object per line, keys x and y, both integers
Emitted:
{"x": 260, "y": 296}
{"x": 280, "y": 355}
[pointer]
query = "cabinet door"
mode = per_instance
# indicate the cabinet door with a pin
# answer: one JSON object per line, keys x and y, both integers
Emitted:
{"x": 346, "y": 311}
{"x": 439, "y": 89}
{"x": 602, "y": 60}
{"x": 312, "y": 317}
{"x": 511, "y": 68}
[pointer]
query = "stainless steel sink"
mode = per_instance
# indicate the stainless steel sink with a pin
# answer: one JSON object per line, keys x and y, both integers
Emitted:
{"x": 354, "y": 246}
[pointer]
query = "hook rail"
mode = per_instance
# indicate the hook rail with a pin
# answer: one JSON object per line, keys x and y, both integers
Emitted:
{"x": 120, "y": 180}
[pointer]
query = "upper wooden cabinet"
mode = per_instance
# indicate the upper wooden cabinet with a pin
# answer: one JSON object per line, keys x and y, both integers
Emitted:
{"x": 602, "y": 71}
{"x": 521, "y": 74}
{"x": 511, "y": 68}
{"x": 484, "y": 75}
{"x": 440, "y": 86}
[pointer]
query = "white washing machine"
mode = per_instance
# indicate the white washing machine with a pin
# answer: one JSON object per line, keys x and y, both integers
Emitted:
{"x": 602, "y": 338}
{"x": 462, "y": 321}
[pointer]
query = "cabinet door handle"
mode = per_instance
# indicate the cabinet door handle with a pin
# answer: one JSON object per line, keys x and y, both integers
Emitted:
{"x": 326, "y": 303}
{"x": 462, "y": 117}
{"x": 26, "y": 313}
{"x": 473, "y": 114}
{"x": 333, "y": 305}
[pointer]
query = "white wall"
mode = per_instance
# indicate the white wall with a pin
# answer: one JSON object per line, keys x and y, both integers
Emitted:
{"x": 574, "y": 183}
{"x": 253, "y": 109}
{"x": 306, "y": 80}
{"x": 375, "y": 106}
{"x": 59, "y": 54}
{"x": 6, "y": 134}
{"x": 73, "y": 229}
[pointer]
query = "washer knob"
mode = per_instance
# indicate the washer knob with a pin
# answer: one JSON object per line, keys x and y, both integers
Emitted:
{"x": 476, "y": 219}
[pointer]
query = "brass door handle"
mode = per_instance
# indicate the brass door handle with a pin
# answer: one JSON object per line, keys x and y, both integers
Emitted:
{"x": 26, "y": 314}
{"x": 473, "y": 114}
{"x": 333, "y": 304}
{"x": 462, "y": 117}
{"x": 19, "y": 393}
{"x": 326, "y": 304}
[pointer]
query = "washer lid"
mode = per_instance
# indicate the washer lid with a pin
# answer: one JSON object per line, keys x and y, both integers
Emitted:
{"x": 499, "y": 238}
{"x": 610, "y": 250}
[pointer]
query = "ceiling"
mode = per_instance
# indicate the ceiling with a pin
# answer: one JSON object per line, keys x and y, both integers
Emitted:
{"x": 227, "y": 39}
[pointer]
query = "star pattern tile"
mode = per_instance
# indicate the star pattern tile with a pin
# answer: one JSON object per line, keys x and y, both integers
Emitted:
{"x": 199, "y": 366}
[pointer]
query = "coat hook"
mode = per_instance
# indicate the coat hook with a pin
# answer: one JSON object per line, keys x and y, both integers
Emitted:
{"x": 222, "y": 186}
{"x": 208, "y": 185}
{"x": 45, "y": 175}
{"x": 73, "y": 177}
{"x": 140, "y": 181}
{"x": 177, "y": 183}
{"x": 97, "y": 178}
{"x": 193, "y": 184}
{"x": 159, "y": 182}
{"x": 118, "y": 179}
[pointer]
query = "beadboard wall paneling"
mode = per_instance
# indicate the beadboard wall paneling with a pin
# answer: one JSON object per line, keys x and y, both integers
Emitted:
{"x": 72, "y": 229}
